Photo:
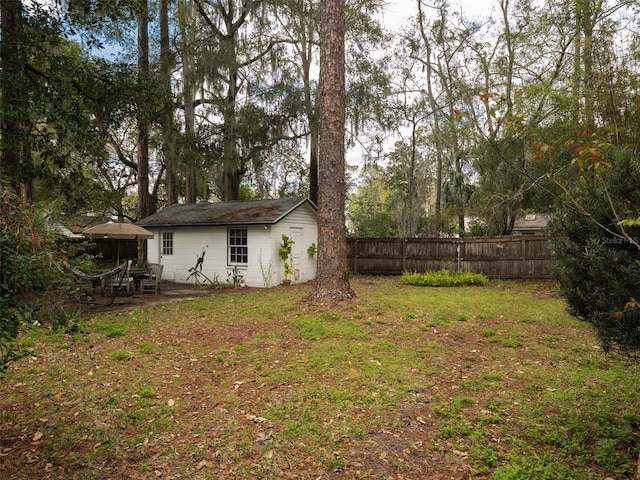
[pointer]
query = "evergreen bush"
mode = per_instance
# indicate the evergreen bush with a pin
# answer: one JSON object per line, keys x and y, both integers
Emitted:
{"x": 598, "y": 273}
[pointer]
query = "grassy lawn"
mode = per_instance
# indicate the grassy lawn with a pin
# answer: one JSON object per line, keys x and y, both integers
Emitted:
{"x": 401, "y": 383}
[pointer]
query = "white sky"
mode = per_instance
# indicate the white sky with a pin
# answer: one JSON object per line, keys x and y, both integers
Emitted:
{"x": 398, "y": 11}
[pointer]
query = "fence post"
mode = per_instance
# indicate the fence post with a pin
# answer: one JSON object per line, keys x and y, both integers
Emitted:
{"x": 355, "y": 256}
{"x": 459, "y": 243}
{"x": 404, "y": 254}
{"x": 523, "y": 260}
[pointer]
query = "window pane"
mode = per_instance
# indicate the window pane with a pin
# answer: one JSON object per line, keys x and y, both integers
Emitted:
{"x": 167, "y": 243}
{"x": 238, "y": 252}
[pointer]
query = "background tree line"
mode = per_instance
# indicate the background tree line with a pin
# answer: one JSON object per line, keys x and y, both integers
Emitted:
{"x": 126, "y": 106}
{"x": 479, "y": 103}
{"x": 134, "y": 105}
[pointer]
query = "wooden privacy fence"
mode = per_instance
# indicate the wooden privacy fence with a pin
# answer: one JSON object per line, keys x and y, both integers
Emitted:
{"x": 522, "y": 256}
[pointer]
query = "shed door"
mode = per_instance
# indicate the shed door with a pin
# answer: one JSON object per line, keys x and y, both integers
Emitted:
{"x": 297, "y": 235}
{"x": 166, "y": 254}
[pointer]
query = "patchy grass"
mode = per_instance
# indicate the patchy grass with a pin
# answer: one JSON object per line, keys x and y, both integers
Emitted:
{"x": 401, "y": 382}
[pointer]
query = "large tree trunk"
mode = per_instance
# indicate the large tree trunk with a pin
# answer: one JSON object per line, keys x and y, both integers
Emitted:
{"x": 143, "y": 125}
{"x": 313, "y": 162}
{"x": 332, "y": 281}
{"x": 314, "y": 127}
{"x": 232, "y": 170}
{"x": 168, "y": 137}
{"x": 312, "y": 117}
{"x": 13, "y": 129}
{"x": 186, "y": 19}
{"x": 189, "y": 133}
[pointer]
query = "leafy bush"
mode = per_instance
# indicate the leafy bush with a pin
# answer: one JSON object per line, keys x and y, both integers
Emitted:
{"x": 443, "y": 278}
{"x": 17, "y": 262}
{"x": 28, "y": 253}
{"x": 598, "y": 273}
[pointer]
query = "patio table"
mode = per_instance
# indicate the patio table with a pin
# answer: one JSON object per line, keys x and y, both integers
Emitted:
{"x": 136, "y": 273}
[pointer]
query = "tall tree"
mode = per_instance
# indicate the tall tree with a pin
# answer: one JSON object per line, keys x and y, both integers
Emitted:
{"x": 432, "y": 99}
{"x": 13, "y": 125}
{"x": 143, "y": 122}
{"x": 408, "y": 171}
{"x": 238, "y": 40}
{"x": 439, "y": 49}
{"x": 299, "y": 22}
{"x": 168, "y": 129}
{"x": 63, "y": 102}
{"x": 186, "y": 21}
{"x": 299, "y": 28}
{"x": 332, "y": 281}
{"x": 370, "y": 210}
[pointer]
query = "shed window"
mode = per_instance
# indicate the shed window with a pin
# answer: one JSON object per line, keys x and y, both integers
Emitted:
{"x": 167, "y": 243}
{"x": 238, "y": 252}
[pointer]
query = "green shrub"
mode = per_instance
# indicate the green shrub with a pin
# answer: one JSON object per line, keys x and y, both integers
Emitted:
{"x": 598, "y": 273}
{"x": 443, "y": 278}
{"x": 31, "y": 272}
{"x": 27, "y": 258}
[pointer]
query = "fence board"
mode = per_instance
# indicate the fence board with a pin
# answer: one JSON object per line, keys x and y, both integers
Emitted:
{"x": 520, "y": 256}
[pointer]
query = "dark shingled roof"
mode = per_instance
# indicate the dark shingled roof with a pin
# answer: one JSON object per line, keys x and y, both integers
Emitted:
{"x": 225, "y": 213}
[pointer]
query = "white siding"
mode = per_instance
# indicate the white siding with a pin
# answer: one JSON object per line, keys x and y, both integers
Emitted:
{"x": 264, "y": 269}
{"x": 304, "y": 266}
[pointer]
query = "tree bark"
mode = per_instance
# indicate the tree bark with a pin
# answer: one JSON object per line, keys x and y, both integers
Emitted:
{"x": 168, "y": 137}
{"x": 332, "y": 281}
{"x": 232, "y": 170}
{"x": 188, "y": 98}
{"x": 13, "y": 127}
{"x": 312, "y": 117}
{"x": 143, "y": 125}
{"x": 588, "y": 16}
{"x": 313, "y": 163}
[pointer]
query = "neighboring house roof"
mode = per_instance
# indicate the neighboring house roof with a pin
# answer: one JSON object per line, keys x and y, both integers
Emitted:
{"x": 225, "y": 213}
{"x": 62, "y": 230}
{"x": 80, "y": 223}
{"x": 532, "y": 222}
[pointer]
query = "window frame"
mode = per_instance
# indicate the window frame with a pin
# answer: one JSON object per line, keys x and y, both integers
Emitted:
{"x": 237, "y": 250}
{"x": 166, "y": 243}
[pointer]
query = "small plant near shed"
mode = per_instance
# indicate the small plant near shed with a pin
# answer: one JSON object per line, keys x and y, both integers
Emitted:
{"x": 443, "y": 278}
{"x": 234, "y": 277}
{"x": 195, "y": 272}
{"x": 312, "y": 250}
{"x": 285, "y": 250}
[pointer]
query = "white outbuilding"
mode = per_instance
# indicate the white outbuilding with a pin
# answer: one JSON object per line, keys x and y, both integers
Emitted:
{"x": 234, "y": 241}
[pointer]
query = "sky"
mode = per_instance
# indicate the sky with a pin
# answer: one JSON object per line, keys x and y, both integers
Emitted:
{"x": 398, "y": 11}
